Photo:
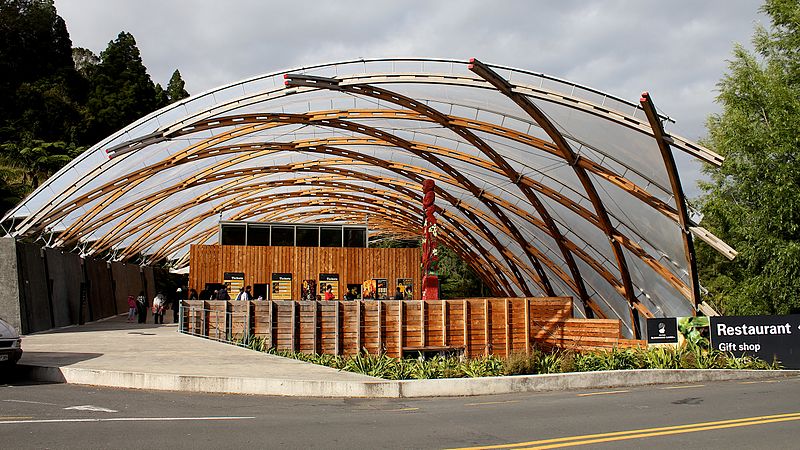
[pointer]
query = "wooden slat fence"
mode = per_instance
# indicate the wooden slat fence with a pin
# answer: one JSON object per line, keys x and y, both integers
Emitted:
{"x": 496, "y": 326}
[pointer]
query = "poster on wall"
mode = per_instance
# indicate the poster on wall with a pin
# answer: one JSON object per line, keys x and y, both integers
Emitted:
{"x": 329, "y": 286}
{"x": 281, "y": 286}
{"x": 235, "y": 281}
{"x": 381, "y": 289}
{"x": 353, "y": 292}
{"x": 368, "y": 290}
{"x": 405, "y": 289}
{"x": 308, "y": 290}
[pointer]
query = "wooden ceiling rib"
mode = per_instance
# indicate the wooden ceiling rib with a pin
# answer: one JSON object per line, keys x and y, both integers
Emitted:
{"x": 202, "y": 150}
{"x": 512, "y": 175}
{"x": 568, "y": 155}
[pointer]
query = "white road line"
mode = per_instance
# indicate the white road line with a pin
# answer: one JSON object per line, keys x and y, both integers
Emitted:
{"x": 123, "y": 419}
{"x": 28, "y": 401}
{"x": 91, "y": 408}
{"x": 682, "y": 387}
{"x": 588, "y": 394}
{"x": 491, "y": 403}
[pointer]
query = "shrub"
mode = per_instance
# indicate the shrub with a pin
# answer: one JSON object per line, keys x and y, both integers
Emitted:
{"x": 520, "y": 364}
{"x": 689, "y": 356}
{"x": 485, "y": 366}
{"x": 549, "y": 362}
{"x": 661, "y": 358}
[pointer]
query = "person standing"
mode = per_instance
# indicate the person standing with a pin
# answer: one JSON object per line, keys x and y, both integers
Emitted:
{"x": 244, "y": 294}
{"x": 131, "y": 308}
{"x": 141, "y": 306}
{"x": 158, "y": 308}
{"x": 180, "y": 295}
{"x": 222, "y": 294}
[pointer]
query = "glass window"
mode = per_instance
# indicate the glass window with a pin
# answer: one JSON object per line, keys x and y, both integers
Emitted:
{"x": 283, "y": 236}
{"x": 233, "y": 234}
{"x": 307, "y": 237}
{"x": 330, "y": 237}
{"x": 257, "y": 235}
{"x": 355, "y": 237}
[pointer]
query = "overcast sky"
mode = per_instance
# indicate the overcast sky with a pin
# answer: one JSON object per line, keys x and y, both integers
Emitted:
{"x": 676, "y": 50}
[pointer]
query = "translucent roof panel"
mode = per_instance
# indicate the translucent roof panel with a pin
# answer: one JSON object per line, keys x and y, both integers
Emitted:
{"x": 300, "y": 143}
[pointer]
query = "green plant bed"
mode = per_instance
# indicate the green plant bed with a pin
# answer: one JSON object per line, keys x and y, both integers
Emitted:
{"x": 689, "y": 356}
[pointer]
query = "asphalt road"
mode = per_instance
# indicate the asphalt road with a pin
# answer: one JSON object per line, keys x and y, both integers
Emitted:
{"x": 726, "y": 415}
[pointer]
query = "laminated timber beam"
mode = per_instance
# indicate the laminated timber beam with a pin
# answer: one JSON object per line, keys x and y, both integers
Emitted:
{"x": 483, "y": 71}
{"x": 677, "y": 194}
{"x": 506, "y": 168}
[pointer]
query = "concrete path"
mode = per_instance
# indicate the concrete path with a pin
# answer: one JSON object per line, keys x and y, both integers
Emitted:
{"x": 147, "y": 356}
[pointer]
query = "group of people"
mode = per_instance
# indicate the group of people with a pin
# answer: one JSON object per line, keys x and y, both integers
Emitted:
{"x": 138, "y": 307}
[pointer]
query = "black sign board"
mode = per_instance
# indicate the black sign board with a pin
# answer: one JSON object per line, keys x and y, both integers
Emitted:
{"x": 765, "y": 337}
{"x": 662, "y": 330}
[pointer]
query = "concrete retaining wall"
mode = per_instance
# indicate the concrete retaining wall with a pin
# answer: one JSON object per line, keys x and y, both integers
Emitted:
{"x": 42, "y": 287}
{"x": 393, "y": 389}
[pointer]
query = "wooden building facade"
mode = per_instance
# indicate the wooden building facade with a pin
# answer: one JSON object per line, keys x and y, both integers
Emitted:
{"x": 209, "y": 263}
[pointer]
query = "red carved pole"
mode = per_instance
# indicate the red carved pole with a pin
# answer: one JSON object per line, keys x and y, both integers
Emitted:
{"x": 430, "y": 256}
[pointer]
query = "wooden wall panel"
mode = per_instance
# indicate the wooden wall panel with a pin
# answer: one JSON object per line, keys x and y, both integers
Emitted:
{"x": 208, "y": 263}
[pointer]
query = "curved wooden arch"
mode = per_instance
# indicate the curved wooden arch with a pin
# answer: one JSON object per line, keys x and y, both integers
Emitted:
{"x": 396, "y": 142}
{"x": 691, "y": 148}
{"x": 651, "y": 261}
{"x": 193, "y": 152}
{"x": 415, "y": 197}
{"x": 632, "y": 246}
{"x": 569, "y": 155}
{"x": 268, "y": 199}
{"x": 293, "y": 80}
{"x": 228, "y": 190}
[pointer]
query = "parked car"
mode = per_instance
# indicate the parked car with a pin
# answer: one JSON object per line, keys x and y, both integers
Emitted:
{"x": 10, "y": 344}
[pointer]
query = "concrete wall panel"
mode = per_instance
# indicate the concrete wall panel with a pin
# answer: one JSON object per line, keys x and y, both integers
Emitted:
{"x": 127, "y": 281}
{"x": 150, "y": 279}
{"x": 101, "y": 294}
{"x": 66, "y": 275}
{"x": 34, "y": 286}
{"x": 10, "y": 307}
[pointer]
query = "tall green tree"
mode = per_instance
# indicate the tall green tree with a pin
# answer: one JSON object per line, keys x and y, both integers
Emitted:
{"x": 753, "y": 200}
{"x": 121, "y": 89}
{"x": 38, "y": 81}
{"x": 41, "y": 111}
{"x": 176, "y": 89}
